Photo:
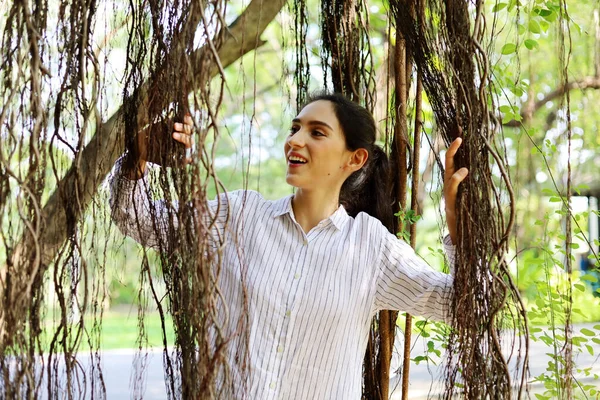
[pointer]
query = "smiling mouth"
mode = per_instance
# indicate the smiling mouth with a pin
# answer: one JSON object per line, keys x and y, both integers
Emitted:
{"x": 297, "y": 160}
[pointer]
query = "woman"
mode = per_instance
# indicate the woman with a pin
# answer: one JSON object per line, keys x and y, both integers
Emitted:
{"x": 318, "y": 267}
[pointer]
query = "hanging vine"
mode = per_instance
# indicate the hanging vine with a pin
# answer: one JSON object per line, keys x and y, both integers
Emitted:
{"x": 52, "y": 103}
{"x": 564, "y": 55}
{"x": 486, "y": 301}
{"x": 28, "y": 65}
{"x": 50, "y": 107}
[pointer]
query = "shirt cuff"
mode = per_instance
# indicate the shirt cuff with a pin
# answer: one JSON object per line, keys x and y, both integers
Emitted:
{"x": 120, "y": 175}
{"x": 450, "y": 250}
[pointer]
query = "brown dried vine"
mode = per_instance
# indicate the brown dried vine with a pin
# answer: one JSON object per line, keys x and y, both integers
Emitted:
{"x": 198, "y": 365}
{"x": 33, "y": 75}
{"x": 346, "y": 58}
{"x": 565, "y": 361}
{"x": 52, "y": 92}
{"x": 486, "y": 304}
{"x": 163, "y": 68}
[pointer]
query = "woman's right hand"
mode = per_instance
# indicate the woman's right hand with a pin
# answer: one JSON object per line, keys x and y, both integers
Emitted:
{"x": 147, "y": 149}
{"x": 182, "y": 132}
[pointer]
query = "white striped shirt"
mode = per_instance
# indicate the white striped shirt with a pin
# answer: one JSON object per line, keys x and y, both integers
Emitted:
{"x": 311, "y": 295}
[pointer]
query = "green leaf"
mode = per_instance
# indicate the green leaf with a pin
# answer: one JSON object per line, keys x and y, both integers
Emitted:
{"x": 578, "y": 311}
{"x": 577, "y": 340}
{"x": 543, "y": 12}
{"x": 555, "y": 199}
{"x": 590, "y": 349}
{"x": 541, "y": 397}
{"x": 531, "y": 44}
{"x": 588, "y": 332}
{"x": 589, "y": 278}
{"x": 505, "y": 109}
{"x": 418, "y": 359}
{"x": 597, "y": 327}
{"x": 551, "y": 16}
{"x": 534, "y": 27}
{"x": 509, "y": 48}
{"x": 499, "y": 6}
{"x": 517, "y": 91}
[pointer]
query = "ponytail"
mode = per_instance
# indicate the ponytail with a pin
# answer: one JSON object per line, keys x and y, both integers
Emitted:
{"x": 369, "y": 190}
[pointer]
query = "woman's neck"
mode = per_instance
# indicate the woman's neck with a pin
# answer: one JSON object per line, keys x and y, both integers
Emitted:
{"x": 312, "y": 207}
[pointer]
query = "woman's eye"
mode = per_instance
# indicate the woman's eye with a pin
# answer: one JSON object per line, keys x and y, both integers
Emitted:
{"x": 293, "y": 130}
{"x": 318, "y": 133}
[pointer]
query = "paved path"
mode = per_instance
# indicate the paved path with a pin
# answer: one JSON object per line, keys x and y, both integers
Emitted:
{"x": 425, "y": 380}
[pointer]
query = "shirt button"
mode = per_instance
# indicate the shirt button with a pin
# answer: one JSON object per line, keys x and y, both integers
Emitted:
{"x": 288, "y": 313}
{"x": 297, "y": 276}
{"x": 272, "y": 385}
{"x": 280, "y": 349}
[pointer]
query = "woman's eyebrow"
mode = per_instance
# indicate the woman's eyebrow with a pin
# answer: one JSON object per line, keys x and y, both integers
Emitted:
{"x": 313, "y": 122}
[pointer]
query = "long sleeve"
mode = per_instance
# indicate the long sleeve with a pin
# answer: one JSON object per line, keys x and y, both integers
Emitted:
{"x": 136, "y": 214}
{"x": 407, "y": 283}
{"x": 154, "y": 223}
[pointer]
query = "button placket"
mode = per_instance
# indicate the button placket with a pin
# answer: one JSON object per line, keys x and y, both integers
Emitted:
{"x": 295, "y": 284}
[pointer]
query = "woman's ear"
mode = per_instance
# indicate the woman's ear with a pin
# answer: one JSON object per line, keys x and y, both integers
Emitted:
{"x": 358, "y": 158}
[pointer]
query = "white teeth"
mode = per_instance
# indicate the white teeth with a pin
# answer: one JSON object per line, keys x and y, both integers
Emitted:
{"x": 295, "y": 158}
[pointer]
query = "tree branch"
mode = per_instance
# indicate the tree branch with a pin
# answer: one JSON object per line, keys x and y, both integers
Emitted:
{"x": 589, "y": 82}
{"x": 98, "y": 157}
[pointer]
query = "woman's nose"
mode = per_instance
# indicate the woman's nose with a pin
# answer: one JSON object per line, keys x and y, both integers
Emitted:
{"x": 297, "y": 139}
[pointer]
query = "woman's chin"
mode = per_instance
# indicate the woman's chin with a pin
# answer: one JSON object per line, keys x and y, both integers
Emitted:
{"x": 292, "y": 181}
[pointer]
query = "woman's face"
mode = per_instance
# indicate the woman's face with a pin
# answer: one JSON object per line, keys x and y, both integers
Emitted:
{"x": 315, "y": 149}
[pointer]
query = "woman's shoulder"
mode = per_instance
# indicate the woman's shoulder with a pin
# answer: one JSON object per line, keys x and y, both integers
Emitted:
{"x": 238, "y": 197}
{"x": 252, "y": 201}
{"x": 369, "y": 225}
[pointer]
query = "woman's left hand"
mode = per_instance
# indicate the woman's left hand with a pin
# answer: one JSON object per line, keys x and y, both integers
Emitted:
{"x": 452, "y": 180}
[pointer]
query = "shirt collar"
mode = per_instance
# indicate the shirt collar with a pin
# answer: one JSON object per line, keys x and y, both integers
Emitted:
{"x": 284, "y": 206}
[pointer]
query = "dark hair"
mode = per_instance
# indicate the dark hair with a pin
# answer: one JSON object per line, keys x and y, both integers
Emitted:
{"x": 367, "y": 189}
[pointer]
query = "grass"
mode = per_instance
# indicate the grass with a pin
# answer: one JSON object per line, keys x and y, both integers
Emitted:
{"x": 120, "y": 330}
